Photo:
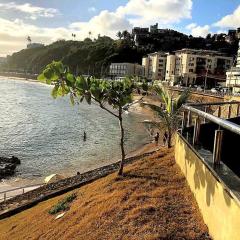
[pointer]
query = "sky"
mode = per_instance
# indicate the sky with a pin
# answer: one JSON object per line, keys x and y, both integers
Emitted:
{"x": 46, "y": 21}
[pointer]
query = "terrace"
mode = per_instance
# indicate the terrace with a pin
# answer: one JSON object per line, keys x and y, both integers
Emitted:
{"x": 207, "y": 152}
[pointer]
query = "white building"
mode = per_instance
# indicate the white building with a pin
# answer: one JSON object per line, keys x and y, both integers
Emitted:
{"x": 233, "y": 75}
{"x": 155, "y": 65}
{"x": 34, "y": 45}
{"x": 190, "y": 66}
{"x": 126, "y": 69}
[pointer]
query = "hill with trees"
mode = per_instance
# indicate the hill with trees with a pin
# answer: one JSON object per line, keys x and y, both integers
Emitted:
{"x": 93, "y": 56}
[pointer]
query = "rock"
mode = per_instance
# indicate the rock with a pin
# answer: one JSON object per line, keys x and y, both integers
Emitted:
{"x": 8, "y": 166}
{"x": 13, "y": 160}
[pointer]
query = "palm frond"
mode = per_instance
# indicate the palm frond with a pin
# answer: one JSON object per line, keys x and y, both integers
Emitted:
{"x": 181, "y": 100}
{"x": 157, "y": 109}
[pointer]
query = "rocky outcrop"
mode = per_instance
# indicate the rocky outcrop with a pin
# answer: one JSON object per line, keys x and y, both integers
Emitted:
{"x": 8, "y": 166}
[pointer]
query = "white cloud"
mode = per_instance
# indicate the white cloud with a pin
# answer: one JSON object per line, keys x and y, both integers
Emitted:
{"x": 33, "y": 11}
{"x": 191, "y": 26}
{"x": 134, "y": 13}
{"x": 106, "y": 23}
{"x": 92, "y": 9}
{"x": 230, "y": 21}
{"x": 145, "y": 12}
{"x": 11, "y": 39}
{"x": 198, "y": 31}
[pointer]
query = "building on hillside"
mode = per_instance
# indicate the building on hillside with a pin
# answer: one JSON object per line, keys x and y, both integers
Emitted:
{"x": 190, "y": 66}
{"x": 233, "y": 75}
{"x": 34, "y": 45}
{"x": 118, "y": 70}
{"x": 2, "y": 60}
{"x": 232, "y": 35}
{"x": 140, "y": 35}
{"x": 155, "y": 66}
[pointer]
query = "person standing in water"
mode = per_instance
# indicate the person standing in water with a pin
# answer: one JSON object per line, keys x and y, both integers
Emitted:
{"x": 84, "y": 136}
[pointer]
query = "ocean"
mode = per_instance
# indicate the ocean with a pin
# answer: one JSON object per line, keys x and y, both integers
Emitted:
{"x": 47, "y": 134}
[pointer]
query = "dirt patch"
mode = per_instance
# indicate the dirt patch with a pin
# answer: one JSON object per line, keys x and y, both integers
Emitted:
{"x": 152, "y": 201}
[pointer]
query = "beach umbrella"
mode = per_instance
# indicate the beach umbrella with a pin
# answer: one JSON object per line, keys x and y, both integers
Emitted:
{"x": 53, "y": 178}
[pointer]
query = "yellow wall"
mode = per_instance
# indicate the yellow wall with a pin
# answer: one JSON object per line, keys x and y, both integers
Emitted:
{"x": 220, "y": 211}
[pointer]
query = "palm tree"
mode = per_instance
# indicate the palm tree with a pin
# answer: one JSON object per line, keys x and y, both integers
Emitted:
{"x": 89, "y": 34}
{"x": 169, "y": 114}
{"x": 74, "y": 36}
{"x": 29, "y": 39}
{"x": 119, "y": 35}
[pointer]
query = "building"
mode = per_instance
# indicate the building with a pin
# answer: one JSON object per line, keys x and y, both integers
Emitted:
{"x": 140, "y": 35}
{"x": 155, "y": 66}
{"x": 34, "y": 45}
{"x": 190, "y": 66}
{"x": 2, "y": 60}
{"x": 126, "y": 69}
{"x": 233, "y": 75}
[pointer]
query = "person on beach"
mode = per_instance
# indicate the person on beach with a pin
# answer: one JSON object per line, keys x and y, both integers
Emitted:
{"x": 165, "y": 138}
{"x": 84, "y": 136}
{"x": 156, "y": 138}
{"x": 151, "y": 132}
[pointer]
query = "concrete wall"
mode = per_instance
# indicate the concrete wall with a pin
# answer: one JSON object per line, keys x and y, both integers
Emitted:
{"x": 220, "y": 209}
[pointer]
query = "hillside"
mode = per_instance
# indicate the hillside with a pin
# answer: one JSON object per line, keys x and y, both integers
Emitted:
{"x": 152, "y": 201}
{"x": 93, "y": 56}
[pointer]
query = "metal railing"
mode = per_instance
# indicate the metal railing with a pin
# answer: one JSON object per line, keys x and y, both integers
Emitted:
{"x": 5, "y": 195}
{"x": 199, "y": 113}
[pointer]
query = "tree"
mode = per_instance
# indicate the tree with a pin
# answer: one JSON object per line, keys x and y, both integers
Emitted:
{"x": 29, "y": 39}
{"x": 90, "y": 34}
{"x": 170, "y": 114}
{"x": 119, "y": 35}
{"x": 106, "y": 94}
{"x": 74, "y": 36}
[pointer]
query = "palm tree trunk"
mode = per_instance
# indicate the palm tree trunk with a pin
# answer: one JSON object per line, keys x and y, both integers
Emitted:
{"x": 169, "y": 140}
{"x": 120, "y": 171}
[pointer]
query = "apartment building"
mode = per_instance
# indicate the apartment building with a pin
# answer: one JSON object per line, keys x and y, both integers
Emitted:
{"x": 126, "y": 69}
{"x": 190, "y": 66}
{"x": 155, "y": 66}
{"x": 233, "y": 75}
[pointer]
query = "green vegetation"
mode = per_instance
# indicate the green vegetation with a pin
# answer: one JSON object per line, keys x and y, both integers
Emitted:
{"x": 93, "y": 56}
{"x": 170, "y": 114}
{"x": 111, "y": 96}
{"x": 63, "y": 204}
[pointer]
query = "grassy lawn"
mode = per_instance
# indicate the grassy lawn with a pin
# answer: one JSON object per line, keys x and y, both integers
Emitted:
{"x": 152, "y": 201}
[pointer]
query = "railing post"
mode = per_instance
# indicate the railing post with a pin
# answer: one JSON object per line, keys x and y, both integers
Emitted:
{"x": 5, "y": 197}
{"x": 219, "y": 111}
{"x": 229, "y": 110}
{"x": 184, "y": 119}
{"x": 23, "y": 190}
{"x": 217, "y": 147}
{"x": 238, "y": 109}
{"x": 189, "y": 120}
{"x": 196, "y": 131}
{"x": 205, "y": 110}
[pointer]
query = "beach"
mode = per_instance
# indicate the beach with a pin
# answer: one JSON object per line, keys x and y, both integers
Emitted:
{"x": 74, "y": 157}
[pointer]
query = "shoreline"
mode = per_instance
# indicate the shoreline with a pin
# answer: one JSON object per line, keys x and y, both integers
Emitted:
{"x": 16, "y": 180}
{"x": 12, "y": 182}
{"x": 20, "y": 76}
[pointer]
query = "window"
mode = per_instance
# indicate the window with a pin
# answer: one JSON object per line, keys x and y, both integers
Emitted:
{"x": 190, "y": 70}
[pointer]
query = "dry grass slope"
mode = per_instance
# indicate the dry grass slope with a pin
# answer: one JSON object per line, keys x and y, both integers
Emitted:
{"x": 151, "y": 202}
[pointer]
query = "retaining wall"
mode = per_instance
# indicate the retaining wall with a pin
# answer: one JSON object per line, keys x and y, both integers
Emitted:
{"x": 219, "y": 206}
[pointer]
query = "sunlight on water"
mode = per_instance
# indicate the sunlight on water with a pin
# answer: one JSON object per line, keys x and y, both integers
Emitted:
{"x": 47, "y": 134}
